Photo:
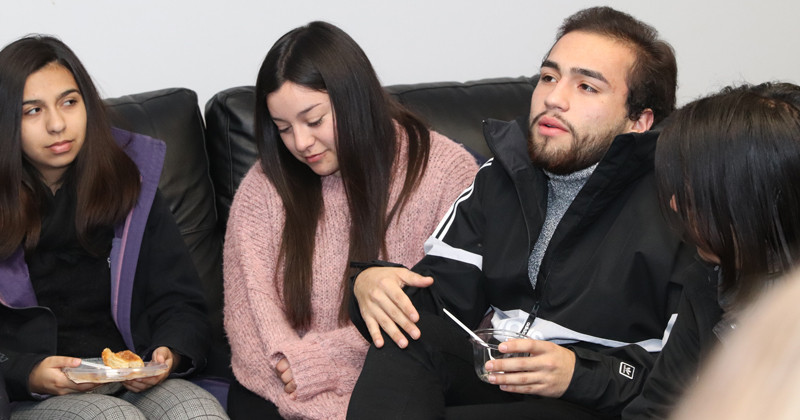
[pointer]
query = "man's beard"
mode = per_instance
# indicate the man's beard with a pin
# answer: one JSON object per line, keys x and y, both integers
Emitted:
{"x": 583, "y": 152}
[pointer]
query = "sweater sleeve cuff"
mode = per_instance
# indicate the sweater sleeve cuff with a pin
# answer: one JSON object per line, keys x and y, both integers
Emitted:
{"x": 312, "y": 370}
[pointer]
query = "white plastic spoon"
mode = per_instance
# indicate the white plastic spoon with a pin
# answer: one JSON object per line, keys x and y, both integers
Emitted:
{"x": 464, "y": 327}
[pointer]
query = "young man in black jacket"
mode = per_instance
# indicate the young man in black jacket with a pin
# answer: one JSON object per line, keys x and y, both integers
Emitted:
{"x": 559, "y": 237}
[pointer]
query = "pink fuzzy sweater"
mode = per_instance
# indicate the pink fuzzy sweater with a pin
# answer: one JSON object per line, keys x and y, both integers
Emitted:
{"x": 327, "y": 359}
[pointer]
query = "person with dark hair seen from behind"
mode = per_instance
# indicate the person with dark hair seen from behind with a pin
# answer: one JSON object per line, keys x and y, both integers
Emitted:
{"x": 561, "y": 239}
{"x": 90, "y": 256}
{"x": 728, "y": 171}
{"x": 344, "y": 173}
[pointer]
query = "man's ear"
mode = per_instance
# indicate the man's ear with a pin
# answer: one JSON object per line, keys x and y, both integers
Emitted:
{"x": 644, "y": 122}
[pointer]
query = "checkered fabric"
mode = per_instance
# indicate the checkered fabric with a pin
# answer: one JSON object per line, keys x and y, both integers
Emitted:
{"x": 172, "y": 399}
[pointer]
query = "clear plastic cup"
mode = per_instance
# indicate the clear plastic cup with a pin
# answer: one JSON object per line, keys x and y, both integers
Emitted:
{"x": 484, "y": 353}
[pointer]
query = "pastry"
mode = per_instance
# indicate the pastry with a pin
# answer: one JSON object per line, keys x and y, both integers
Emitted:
{"x": 122, "y": 360}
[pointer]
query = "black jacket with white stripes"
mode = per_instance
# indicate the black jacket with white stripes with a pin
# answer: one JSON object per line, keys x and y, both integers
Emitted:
{"x": 610, "y": 280}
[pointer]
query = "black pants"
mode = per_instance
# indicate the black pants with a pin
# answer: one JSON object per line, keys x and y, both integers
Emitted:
{"x": 244, "y": 404}
{"x": 434, "y": 378}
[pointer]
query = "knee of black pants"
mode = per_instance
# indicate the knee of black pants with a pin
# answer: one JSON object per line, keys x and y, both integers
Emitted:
{"x": 433, "y": 372}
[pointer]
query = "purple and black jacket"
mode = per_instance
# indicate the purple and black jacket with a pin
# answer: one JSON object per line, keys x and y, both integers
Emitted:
{"x": 161, "y": 272}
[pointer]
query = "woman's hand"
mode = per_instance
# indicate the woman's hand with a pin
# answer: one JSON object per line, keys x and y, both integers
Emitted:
{"x": 383, "y": 304}
{"x": 160, "y": 355}
{"x": 285, "y": 373}
{"x": 47, "y": 377}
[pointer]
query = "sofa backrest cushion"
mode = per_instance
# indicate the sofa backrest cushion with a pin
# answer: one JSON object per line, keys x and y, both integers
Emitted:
{"x": 453, "y": 109}
{"x": 231, "y": 145}
{"x": 173, "y": 116}
{"x": 457, "y": 110}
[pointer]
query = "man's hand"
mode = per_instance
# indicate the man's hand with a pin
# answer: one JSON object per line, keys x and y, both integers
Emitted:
{"x": 379, "y": 291}
{"x": 47, "y": 377}
{"x": 160, "y": 355}
{"x": 285, "y": 373}
{"x": 547, "y": 372}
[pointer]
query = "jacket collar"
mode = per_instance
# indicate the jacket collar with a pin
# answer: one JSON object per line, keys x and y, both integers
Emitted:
{"x": 629, "y": 157}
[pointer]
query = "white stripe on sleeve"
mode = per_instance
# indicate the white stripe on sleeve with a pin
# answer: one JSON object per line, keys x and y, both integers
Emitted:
{"x": 448, "y": 218}
{"x": 438, "y": 248}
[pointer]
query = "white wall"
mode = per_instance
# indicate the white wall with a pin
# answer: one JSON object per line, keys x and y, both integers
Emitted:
{"x": 135, "y": 46}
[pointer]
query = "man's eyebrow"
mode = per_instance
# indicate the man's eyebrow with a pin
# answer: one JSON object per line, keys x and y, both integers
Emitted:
{"x": 577, "y": 70}
{"x": 551, "y": 64}
{"x": 590, "y": 73}
{"x": 61, "y": 96}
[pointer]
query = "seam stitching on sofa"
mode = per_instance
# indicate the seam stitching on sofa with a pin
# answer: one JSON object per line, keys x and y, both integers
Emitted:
{"x": 171, "y": 92}
{"x": 228, "y": 143}
{"x": 462, "y": 86}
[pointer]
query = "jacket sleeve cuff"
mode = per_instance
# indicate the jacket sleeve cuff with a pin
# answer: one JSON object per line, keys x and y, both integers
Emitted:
{"x": 583, "y": 374}
{"x": 602, "y": 382}
{"x": 17, "y": 374}
{"x": 188, "y": 365}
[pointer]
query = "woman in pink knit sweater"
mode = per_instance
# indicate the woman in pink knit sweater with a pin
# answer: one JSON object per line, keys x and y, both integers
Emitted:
{"x": 345, "y": 173}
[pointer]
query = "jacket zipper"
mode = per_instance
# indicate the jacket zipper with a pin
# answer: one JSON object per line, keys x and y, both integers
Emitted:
{"x": 537, "y": 300}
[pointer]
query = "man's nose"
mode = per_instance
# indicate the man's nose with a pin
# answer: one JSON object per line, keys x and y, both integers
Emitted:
{"x": 558, "y": 97}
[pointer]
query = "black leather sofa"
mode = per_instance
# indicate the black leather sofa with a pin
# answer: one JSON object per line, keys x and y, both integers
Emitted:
{"x": 5, "y": 405}
{"x": 205, "y": 161}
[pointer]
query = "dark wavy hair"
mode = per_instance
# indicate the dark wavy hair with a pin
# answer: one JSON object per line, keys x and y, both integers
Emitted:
{"x": 105, "y": 178}
{"x": 731, "y": 161}
{"x": 324, "y": 58}
{"x": 653, "y": 77}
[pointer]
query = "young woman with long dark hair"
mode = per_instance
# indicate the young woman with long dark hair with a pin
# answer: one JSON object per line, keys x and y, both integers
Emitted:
{"x": 728, "y": 170}
{"x": 90, "y": 256}
{"x": 345, "y": 173}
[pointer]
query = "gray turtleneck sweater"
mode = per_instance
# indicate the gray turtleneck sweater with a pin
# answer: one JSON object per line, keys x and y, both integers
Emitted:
{"x": 561, "y": 190}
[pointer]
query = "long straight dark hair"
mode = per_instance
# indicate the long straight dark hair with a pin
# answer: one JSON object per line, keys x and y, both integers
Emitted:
{"x": 105, "y": 178}
{"x": 732, "y": 163}
{"x": 322, "y": 57}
